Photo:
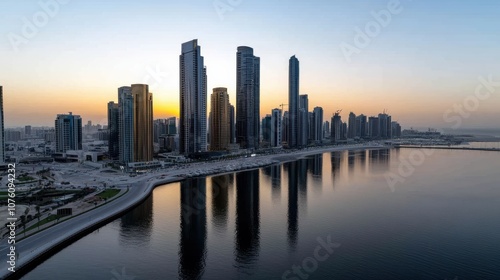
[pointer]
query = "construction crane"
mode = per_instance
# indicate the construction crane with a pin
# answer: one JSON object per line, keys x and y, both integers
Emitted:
{"x": 338, "y": 112}
{"x": 282, "y": 105}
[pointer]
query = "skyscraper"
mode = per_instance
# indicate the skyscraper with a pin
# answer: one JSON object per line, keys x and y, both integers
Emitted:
{"x": 193, "y": 100}
{"x": 373, "y": 128}
{"x": 337, "y": 128}
{"x": 143, "y": 123}
{"x": 113, "y": 130}
{"x": 135, "y": 124}
{"x": 172, "y": 126}
{"x": 317, "y": 124}
{"x": 351, "y": 132}
{"x": 385, "y": 126}
{"x": 219, "y": 121}
{"x": 276, "y": 128}
{"x": 303, "y": 136}
{"x": 293, "y": 102}
{"x": 68, "y": 132}
{"x": 266, "y": 129}
{"x": 2, "y": 129}
{"x": 247, "y": 98}
{"x": 326, "y": 129}
{"x": 126, "y": 124}
{"x": 361, "y": 126}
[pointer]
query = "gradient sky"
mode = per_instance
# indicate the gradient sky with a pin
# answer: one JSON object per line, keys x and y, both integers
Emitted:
{"x": 427, "y": 59}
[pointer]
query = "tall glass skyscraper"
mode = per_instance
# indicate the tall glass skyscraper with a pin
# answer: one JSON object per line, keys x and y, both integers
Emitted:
{"x": 193, "y": 100}
{"x": 126, "y": 124}
{"x": 247, "y": 98}
{"x": 293, "y": 102}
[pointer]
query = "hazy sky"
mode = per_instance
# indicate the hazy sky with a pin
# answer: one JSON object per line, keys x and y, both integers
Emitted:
{"x": 427, "y": 57}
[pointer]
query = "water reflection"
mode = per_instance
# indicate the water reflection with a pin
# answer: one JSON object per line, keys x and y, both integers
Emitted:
{"x": 316, "y": 166}
{"x": 274, "y": 172}
{"x": 379, "y": 160}
{"x": 247, "y": 239}
{"x": 193, "y": 237}
{"x": 293, "y": 225}
{"x": 302, "y": 178}
{"x": 220, "y": 200}
{"x": 136, "y": 225}
{"x": 336, "y": 159}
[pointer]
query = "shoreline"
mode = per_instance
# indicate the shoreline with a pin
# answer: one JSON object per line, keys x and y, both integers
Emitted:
{"x": 48, "y": 243}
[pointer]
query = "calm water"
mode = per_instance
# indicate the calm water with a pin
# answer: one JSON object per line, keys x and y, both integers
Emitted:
{"x": 440, "y": 223}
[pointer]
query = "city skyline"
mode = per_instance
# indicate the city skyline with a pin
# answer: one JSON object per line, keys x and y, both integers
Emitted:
{"x": 419, "y": 66}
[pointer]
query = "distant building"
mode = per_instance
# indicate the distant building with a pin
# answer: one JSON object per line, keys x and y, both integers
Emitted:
{"x": 12, "y": 135}
{"x": 317, "y": 124}
{"x": 193, "y": 100}
{"x": 373, "y": 128}
{"x": 303, "y": 136}
{"x": 326, "y": 130}
{"x": 27, "y": 131}
{"x": 351, "y": 132}
{"x": 285, "y": 132}
{"x": 276, "y": 128}
{"x": 385, "y": 126}
{"x": 266, "y": 129}
{"x": 361, "y": 126}
{"x": 247, "y": 98}
{"x": 171, "y": 126}
{"x": 219, "y": 121}
{"x": 159, "y": 129}
{"x": 336, "y": 129}
{"x": 68, "y": 132}
{"x": 113, "y": 130}
{"x": 396, "y": 130}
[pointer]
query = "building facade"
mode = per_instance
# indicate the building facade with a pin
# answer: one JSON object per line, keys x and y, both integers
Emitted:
{"x": 193, "y": 100}
{"x": 247, "y": 98}
{"x": 220, "y": 133}
{"x": 293, "y": 102}
{"x": 68, "y": 132}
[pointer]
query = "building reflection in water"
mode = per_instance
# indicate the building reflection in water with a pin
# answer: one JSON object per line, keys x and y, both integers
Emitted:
{"x": 336, "y": 158}
{"x": 220, "y": 200}
{"x": 247, "y": 235}
{"x": 292, "y": 169}
{"x": 274, "y": 172}
{"x": 351, "y": 160}
{"x": 379, "y": 160}
{"x": 316, "y": 166}
{"x": 302, "y": 176}
{"x": 193, "y": 236}
{"x": 136, "y": 225}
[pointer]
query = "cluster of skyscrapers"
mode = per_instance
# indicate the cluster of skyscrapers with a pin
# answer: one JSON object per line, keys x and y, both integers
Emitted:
{"x": 130, "y": 125}
{"x": 131, "y": 131}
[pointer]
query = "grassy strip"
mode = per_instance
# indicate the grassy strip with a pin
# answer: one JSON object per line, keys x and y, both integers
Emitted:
{"x": 107, "y": 194}
{"x": 42, "y": 222}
